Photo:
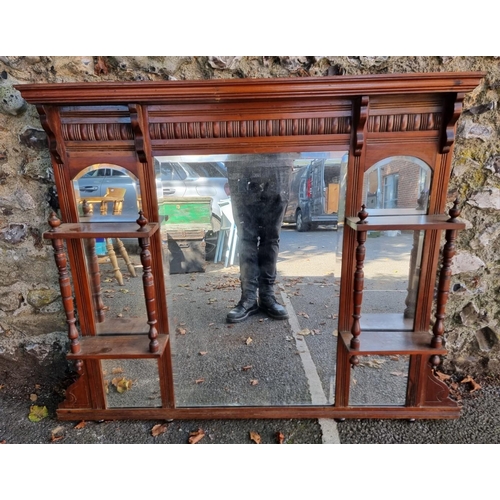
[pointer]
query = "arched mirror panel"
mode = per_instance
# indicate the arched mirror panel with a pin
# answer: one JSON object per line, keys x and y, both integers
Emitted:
{"x": 398, "y": 185}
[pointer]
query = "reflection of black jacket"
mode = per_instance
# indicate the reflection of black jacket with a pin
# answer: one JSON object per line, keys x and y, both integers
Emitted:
{"x": 260, "y": 187}
{"x": 262, "y": 175}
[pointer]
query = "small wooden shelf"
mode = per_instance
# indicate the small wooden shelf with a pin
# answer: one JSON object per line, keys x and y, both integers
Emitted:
{"x": 79, "y": 230}
{"x": 118, "y": 347}
{"x": 386, "y": 343}
{"x": 404, "y": 222}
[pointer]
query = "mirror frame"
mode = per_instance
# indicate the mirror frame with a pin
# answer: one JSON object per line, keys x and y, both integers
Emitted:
{"x": 371, "y": 116}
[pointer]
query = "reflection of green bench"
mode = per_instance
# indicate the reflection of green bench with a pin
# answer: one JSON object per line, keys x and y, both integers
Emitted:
{"x": 186, "y": 213}
{"x": 184, "y": 222}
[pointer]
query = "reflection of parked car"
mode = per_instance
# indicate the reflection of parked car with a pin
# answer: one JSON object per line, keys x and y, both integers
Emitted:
{"x": 98, "y": 183}
{"x": 314, "y": 194}
{"x": 181, "y": 179}
{"x": 194, "y": 179}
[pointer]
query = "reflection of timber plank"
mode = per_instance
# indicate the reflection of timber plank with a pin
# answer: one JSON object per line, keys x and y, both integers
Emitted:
{"x": 332, "y": 199}
{"x": 118, "y": 347}
{"x": 123, "y": 326}
{"x": 384, "y": 343}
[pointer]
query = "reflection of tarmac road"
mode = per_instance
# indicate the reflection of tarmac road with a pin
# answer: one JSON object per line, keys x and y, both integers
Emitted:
{"x": 261, "y": 361}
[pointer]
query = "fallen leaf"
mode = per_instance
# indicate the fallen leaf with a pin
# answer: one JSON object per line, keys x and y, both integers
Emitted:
{"x": 255, "y": 437}
{"x": 442, "y": 376}
{"x": 33, "y": 397}
{"x": 475, "y": 385}
{"x": 2, "y": 386}
{"x": 80, "y": 425}
{"x": 211, "y": 324}
{"x": 374, "y": 363}
{"x": 122, "y": 384}
{"x": 57, "y": 434}
{"x": 245, "y": 368}
{"x": 304, "y": 331}
{"x": 158, "y": 429}
{"x": 397, "y": 374}
{"x": 253, "y": 381}
{"x": 280, "y": 437}
{"x": 117, "y": 370}
{"x": 248, "y": 341}
{"x": 202, "y": 353}
{"x": 124, "y": 290}
{"x": 196, "y": 436}
{"x": 303, "y": 314}
{"x": 37, "y": 413}
{"x": 180, "y": 330}
{"x": 335, "y": 333}
{"x": 119, "y": 315}
{"x": 199, "y": 381}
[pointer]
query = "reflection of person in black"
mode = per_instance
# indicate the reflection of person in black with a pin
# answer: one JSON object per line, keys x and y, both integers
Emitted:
{"x": 260, "y": 186}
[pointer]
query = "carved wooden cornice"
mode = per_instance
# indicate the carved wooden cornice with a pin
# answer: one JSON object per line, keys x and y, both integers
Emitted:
{"x": 247, "y": 89}
{"x": 209, "y": 115}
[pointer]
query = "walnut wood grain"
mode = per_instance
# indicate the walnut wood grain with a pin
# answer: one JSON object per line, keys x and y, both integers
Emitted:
{"x": 387, "y": 343}
{"x": 118, "y": 347}
{"x": 79, "y": 230}
{"x": 370, "y": 116}
{"x": 405, "y": 223}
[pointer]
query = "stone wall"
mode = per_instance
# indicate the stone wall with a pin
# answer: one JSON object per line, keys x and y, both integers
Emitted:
{"x": 31, "y": 321}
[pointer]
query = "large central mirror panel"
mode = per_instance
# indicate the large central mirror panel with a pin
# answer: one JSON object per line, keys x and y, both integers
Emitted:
{"x": 251, "y": 249}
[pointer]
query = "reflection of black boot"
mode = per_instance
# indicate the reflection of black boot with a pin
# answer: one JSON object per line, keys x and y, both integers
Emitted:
{"x": 272, "y": 308}
{"x": 247, "y": 305}
{"x": 269, "y": 304}
{"x": 245, "y": 308}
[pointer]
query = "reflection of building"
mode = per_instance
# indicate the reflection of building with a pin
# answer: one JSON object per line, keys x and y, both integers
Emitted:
{"x": 397, "y": 182}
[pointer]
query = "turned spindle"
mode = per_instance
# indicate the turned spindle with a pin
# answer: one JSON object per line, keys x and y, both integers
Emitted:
{"x": 358, "y": 280}
{"x": 65, "y": 284}
{"x": 148, "y": 285}
{"x": 445, "y": 278}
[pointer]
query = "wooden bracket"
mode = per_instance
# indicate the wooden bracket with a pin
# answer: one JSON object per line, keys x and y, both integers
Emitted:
{"x": 361, "y": 115}
{"x": 451, "y": 115}
{"x": 49, "y": 119}
{"x": 137, "y": 120}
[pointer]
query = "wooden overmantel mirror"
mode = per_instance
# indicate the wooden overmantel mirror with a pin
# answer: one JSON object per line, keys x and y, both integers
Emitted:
{"x": 147, "y": 251}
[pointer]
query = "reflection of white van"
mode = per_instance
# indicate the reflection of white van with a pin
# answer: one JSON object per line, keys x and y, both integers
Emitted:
{"x": 314, "y": 194}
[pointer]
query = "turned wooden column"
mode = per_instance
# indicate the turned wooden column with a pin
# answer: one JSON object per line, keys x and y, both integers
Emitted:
{"x": 126, "y": 258}
{"x": 95, "y": 276}
{"x": 148, "y": 284}
{"x": 445, "y": 278}
{"x": 114, "y": 261}
{"x": 65, "y": 285}
{"x": 359, "y": 280}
